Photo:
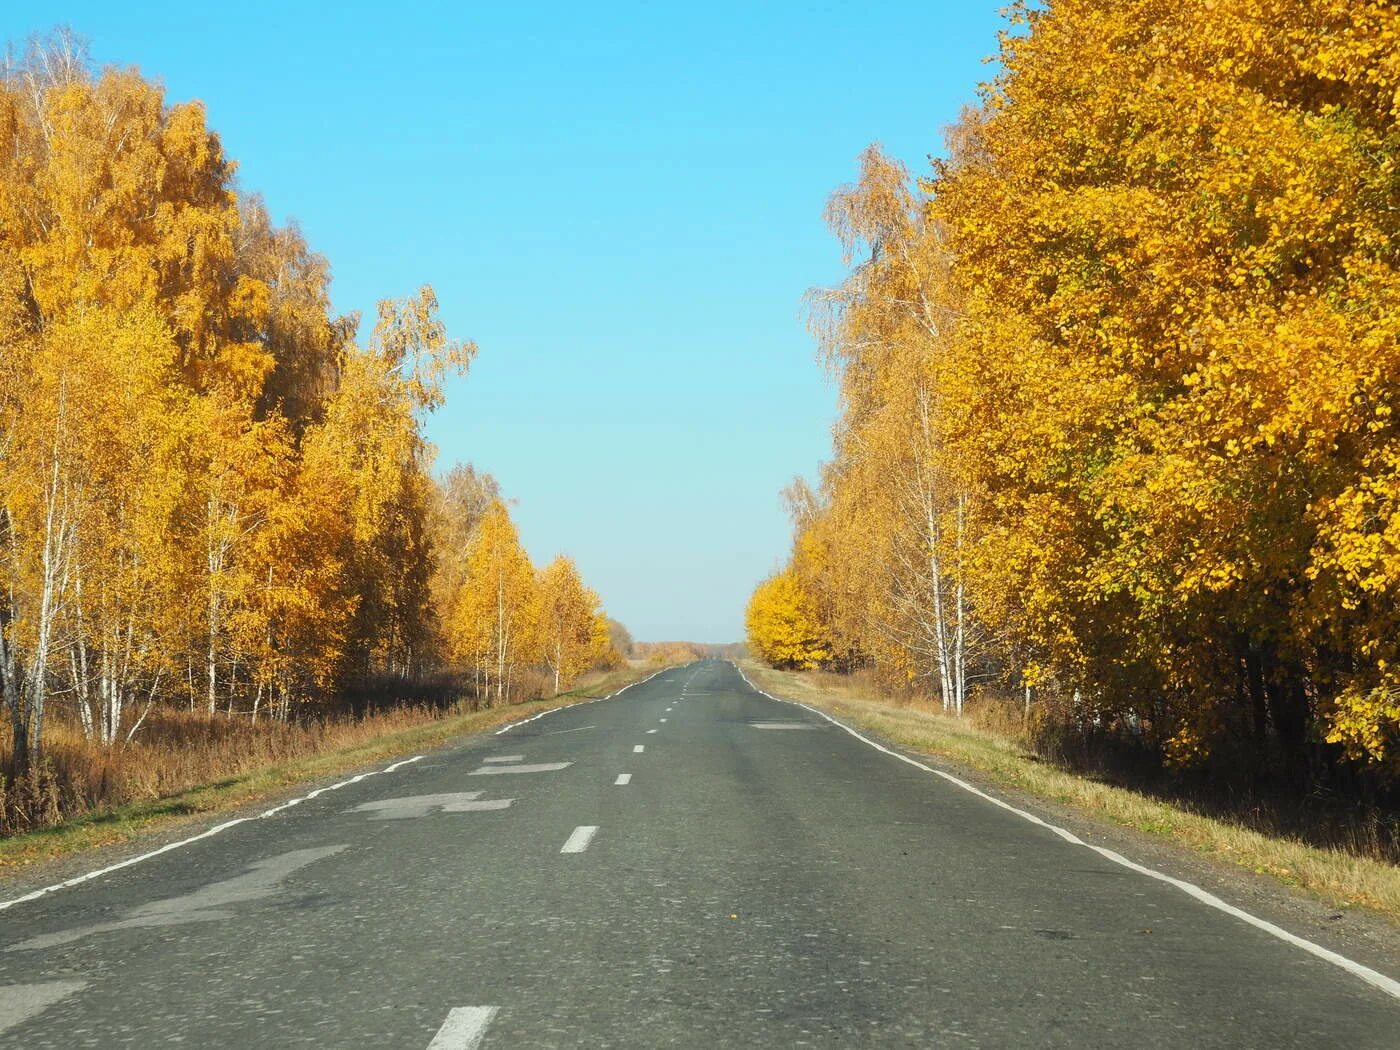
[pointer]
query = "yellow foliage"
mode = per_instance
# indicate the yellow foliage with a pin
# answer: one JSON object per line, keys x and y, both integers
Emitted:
{"x": 573, "y": 630}
{"x": 782, "y": 625}
{"x": 495, "y": 624}
{"x": 211, "y": 495}
{"x": 1367, "y": 725}
{"x": 1133, "y": 349}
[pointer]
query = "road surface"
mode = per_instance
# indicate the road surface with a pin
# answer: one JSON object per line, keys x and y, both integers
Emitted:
{"x": 687, "y": 864}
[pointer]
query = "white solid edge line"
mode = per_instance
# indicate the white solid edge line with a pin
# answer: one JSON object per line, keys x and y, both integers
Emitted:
{"x": 623, "y": 778}
{"x": 44, "y": 891}
{"x": 464, "y": 1028}
{"x": 579, "y": 838}
{"x": 1372, "y": 977}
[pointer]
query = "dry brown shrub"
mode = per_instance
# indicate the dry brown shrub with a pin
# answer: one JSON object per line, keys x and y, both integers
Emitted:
{"x": 174, "y": 751}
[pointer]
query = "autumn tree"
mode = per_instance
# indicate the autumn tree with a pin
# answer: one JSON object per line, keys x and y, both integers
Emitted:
{"x": 460, "y": 500}
{"x": 494, "y": 626}
{"x": 783, "y": 627}
{"x": 573, "y": 633}
{"x": 619, "y": 638}
{"x": 881, "y": 547}
{"x": 374, "y": 420}
{"x": 1172, "y": 224}
{"x": 119, "y": 319}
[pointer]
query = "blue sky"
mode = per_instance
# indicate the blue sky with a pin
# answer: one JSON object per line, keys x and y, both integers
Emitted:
{"x": 620, "y": 202}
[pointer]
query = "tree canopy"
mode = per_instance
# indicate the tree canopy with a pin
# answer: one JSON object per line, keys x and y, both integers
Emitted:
{"x": 1118, "y": 379}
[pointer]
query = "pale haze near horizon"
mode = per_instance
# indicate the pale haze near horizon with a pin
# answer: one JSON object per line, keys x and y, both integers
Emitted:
{"x": 621, "y": 205}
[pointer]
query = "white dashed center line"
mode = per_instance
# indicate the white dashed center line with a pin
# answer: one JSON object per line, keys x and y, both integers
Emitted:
{"x": 579, "y": 839}
{"x": 663, "y": 719}
{"x": 623, "y": 778}
{"x": 463, "y": 1029}
{"x": 638, "y": 748}
{"x": 651, "y": 730}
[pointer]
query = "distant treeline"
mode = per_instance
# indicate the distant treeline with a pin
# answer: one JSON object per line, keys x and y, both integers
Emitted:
{"x": 1119, "y": 384}
{"x": 685, "y": 652}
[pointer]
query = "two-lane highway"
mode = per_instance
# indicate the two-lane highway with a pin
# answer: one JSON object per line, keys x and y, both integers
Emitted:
{"x": 689, "y": 863}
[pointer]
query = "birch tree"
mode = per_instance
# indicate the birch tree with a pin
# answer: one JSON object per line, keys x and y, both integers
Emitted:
{"x": 894, "y": 512}
{"x": 572, "y": 633}
{"x": 495, "y": 618}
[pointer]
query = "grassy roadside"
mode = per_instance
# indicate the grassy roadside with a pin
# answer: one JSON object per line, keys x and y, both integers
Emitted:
{"x": 120, "y": 824}
{"x": 1338, "y": 877}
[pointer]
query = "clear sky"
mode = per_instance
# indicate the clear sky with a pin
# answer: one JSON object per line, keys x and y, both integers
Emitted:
{"x": 620, "y": 202}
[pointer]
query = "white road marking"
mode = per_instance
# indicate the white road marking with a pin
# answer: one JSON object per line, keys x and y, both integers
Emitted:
{"x": 464, "y": 1028}
{"x": 421, "y": 805}
{"x": 207, "y": 833}
{"x": 77, "y": 880}
{"x": 663, "y": 719}
{"x": 638, "y": 748}
{"x": 477, "y": 807}
{"x": 782, "y": 725}
{"x": 579, "y": 838}
{"x": 505, "y": 758}
{"x": 577, "y": 729}
{"x": 527, "y": 721}
{"x": 20, "y": 1002}
{"x": 209, "y": 903}
{"x": 623, "y": 778}
{"x": 651, "y": 730}
{"x": 538, "y": 767}
{"x": 668, "y": 709}
{"x": 1372, "y": 977}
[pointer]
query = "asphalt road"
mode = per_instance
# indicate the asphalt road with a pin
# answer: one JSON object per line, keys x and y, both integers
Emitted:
{"x": 687, "y": 864}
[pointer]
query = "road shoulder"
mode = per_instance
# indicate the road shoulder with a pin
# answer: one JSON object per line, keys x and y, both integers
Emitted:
{"x": 1369, "y": 936}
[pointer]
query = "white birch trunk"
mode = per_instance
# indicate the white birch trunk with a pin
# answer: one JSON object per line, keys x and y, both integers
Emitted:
{"x": 960, "y": 638}
{"x": 940, "y": 631}
{"x": 58, "y": 529}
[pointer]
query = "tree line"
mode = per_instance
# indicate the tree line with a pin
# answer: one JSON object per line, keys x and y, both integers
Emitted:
{"x": 1118, "y": 387}
{"x": 504, "y": 616}
{"x": 681, "y": 652}
{"x": 212, "y": 495}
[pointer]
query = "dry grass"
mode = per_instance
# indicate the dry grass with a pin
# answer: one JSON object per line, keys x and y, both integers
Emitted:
{"x": 989, "y": 740}
{"x": 189, "y": 765}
